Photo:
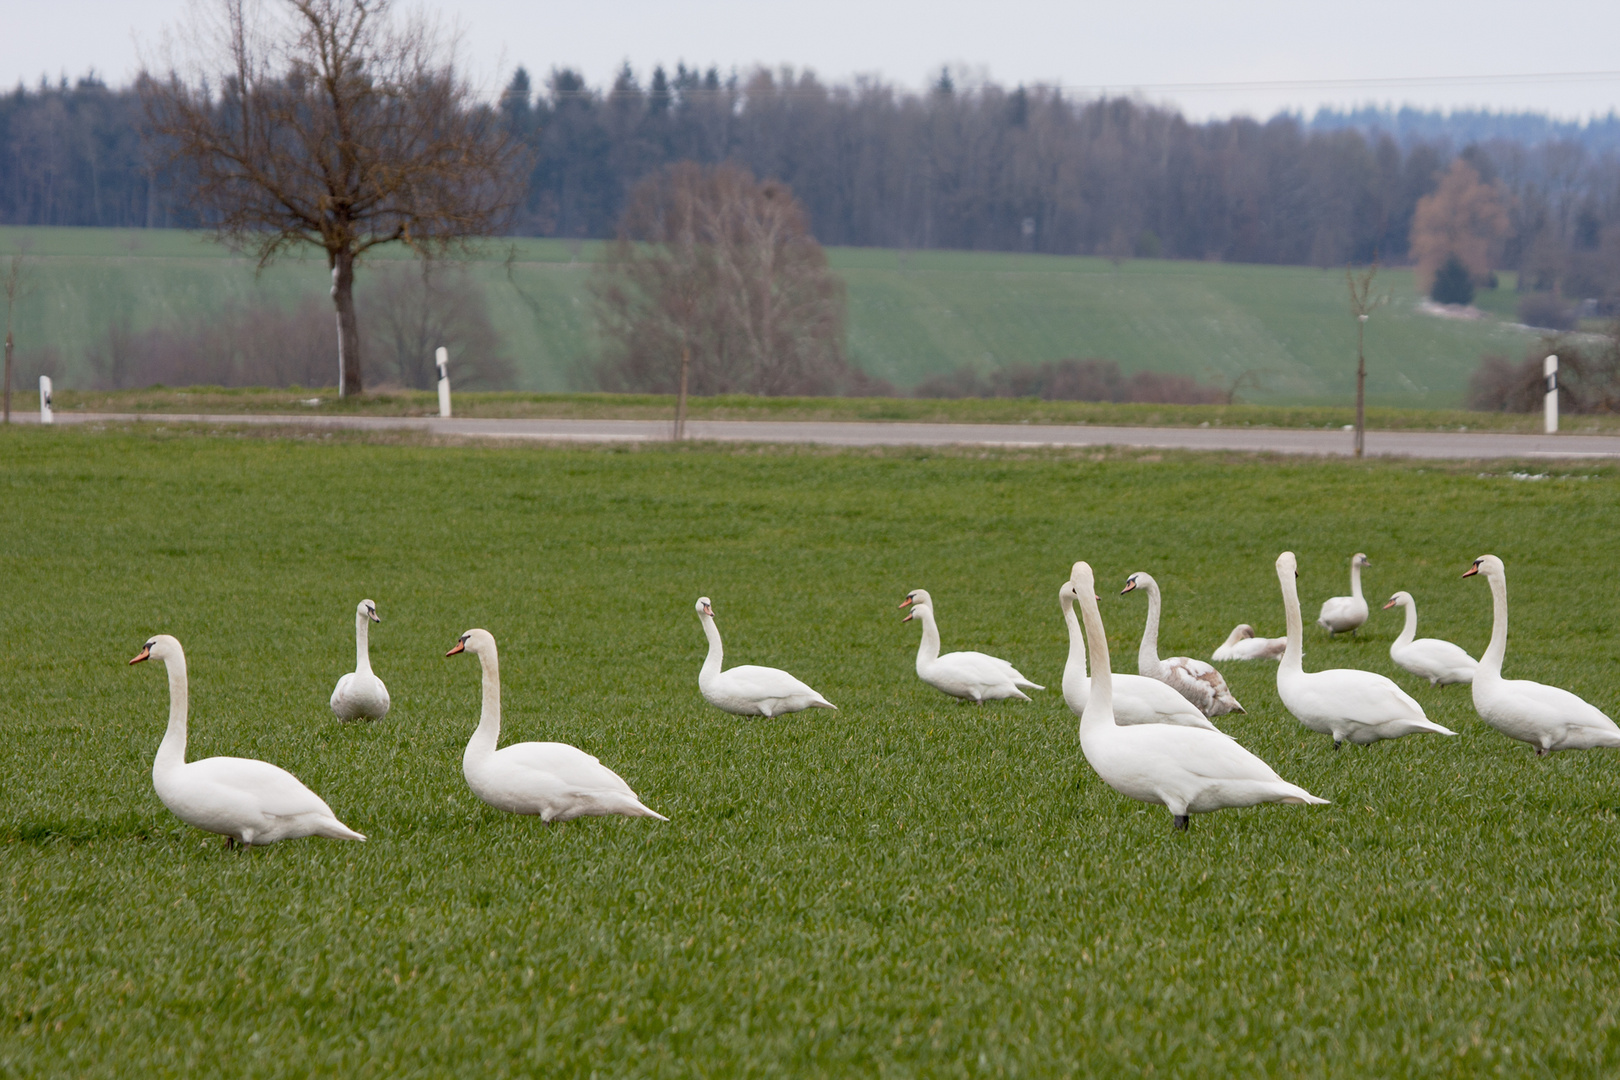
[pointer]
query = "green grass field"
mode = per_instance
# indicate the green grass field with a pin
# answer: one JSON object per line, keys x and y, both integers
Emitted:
{"x": 911, "y": 314}
{"x": 907, "y": 886}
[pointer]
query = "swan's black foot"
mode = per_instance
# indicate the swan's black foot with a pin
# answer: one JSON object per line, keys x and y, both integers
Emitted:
{"x": 1541, "y": 751}
{"x": 1336, "y": 744}
{"x": 1180, "y": 823}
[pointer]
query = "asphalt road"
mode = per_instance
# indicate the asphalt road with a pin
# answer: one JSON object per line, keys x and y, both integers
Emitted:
{"x": 1417, "y": 444}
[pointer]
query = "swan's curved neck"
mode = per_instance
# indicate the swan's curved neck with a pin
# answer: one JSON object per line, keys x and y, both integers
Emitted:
{"x": 928, "y": 647}
{"x": 482, "y": 743}
{"x": 172, "y": 751}
{"x": 1100, "y": 705}
{"x": 1147, "y": 657}
{"x": 1491, "y": 662}
{"x": 1294, "y": 655}
{"x": 712, "y": 662}
{"x": 1355, "y": 579}
{"x": 362, "y": 644}
{"x": 1077, "y": 640}
{"x": 1409, "y": 631}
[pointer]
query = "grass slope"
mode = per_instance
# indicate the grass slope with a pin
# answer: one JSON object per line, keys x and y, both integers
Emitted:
{"x": 906, "y": 886}
{"x": 911, "y": 314}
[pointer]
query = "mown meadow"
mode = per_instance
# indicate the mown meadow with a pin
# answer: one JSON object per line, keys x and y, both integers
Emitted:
{"x": 907, "y": 886}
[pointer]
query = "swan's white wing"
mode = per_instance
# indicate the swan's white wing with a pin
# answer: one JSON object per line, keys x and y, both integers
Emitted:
{"x": 573, "y": 767}
{"x": 755, "y": 683}
{"x": 983, "y": 667}
{"x": 274, "y": 790}
{"x": 341, "y": 691}
{"x": 1363, "y": 697}
{"x": 1141, "y": 700}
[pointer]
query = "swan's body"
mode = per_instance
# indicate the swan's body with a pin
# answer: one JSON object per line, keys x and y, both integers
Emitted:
{"x": 1351, "y": 705}
{"x": 360, "y": 694}
{"x": 554, "y": 781}
{"x": 1241, "y": 644}
{"x": 972, "y": 676}
{"x": 1192, "y": 679}
{"x": 1136, "y": 700}
{"x": 246, "y": 801}
{"x": 1187, "y": 770}
{"x": 1546, "y": 717}
{"x": 749, "y": 690}
{"x": 1441, "y": 662}
{"x": 1341, "y": 613}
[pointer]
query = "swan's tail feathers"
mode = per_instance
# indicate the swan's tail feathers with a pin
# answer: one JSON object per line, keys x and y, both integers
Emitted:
{"x": 822, "y": 703}
{"x": 1435, "y": 729}
{"x": 1027, "y": 685}
{"x": 1020, "y": 695}
{"x": 1304, "y": 798}
{"x": 643, "y": 810}
{"x": 333, "y": 829}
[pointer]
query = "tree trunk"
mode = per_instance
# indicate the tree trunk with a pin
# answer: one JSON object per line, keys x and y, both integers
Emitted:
{"x": 1361, "y": 389}
{"x": 680, "y": 402}
{"x": 348, "y": 326}
{"x": 8, "y": 376}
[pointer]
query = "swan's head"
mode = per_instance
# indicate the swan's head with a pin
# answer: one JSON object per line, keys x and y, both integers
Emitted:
{"x": 705, "y": 607}
{"x": 160, "y": 647}
{"x": 474, "y": 641}
{"x": 1489, "y": 565}
{"x": 1067, "y": 593}
{"x": 1400, "y": 599}
{"x": 368, "y": 610}
{"x": 1360, "y": 561}
{"x": 916, "y": 596}
{"x": 1287, "y": 567}
{"x": 1083, "y": 580}
{"x": 1136, "y": 581}
{"x": 1240, "y": 632}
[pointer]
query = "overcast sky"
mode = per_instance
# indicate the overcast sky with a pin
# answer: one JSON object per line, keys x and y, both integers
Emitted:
{"x": 1209, "y": 57}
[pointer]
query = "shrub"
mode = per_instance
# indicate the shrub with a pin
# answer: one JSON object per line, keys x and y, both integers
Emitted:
{"x": 1452, "y": 283}
{"x": 1546, "y": 311}
{"x": 1588, "y": 378}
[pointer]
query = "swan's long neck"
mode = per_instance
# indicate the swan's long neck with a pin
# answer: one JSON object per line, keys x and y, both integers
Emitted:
{"x": 1355, "y": 579}
{"x": 1491, "y": 662}
{"x": 1099, "y": 710}
{"x": 1410, "y": 630}
{"x": 1294, "y": 655}
{"x": 1076, "y": 666}
{"x": 928, "y": 647}
{"x": 482, "y": 743}
{"x": 711, "y": 663}
{"x": 172, "y": 751}
{"x": 362, "y": 644}
{"x": 1147, "y": 657}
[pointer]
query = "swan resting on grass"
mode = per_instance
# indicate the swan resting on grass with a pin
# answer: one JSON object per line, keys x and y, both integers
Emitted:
{"x": 1136, "y": 700}
{"x": 246, "y": 801}
{"x": 1441, "y": 662}
{"x": 360, "y": 694}
{"x": 1546, "y": 717}
{"x": 1242, "y": 644}
{"x": 1349, "y": 704}
{"x": 971, "y": 676}
{"x": 554, "y": 781}
{"x": 1187, "y": 770}
{"x": 749, "y": 690}
{"x": 1192, "y": 679}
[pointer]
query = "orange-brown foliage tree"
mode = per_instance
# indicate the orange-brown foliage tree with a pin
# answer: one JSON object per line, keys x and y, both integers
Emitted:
{"x": 1465, "y": 217}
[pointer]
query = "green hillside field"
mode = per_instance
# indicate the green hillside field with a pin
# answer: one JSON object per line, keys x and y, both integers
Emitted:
{"x": 911, "y": 313}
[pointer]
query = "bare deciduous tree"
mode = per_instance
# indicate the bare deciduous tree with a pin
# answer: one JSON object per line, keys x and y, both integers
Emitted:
{"x": 715, "y": 284}
{"x": 15, "y": 286}
{"x": 415, "y": 309}
{"x": 336, "y": 126}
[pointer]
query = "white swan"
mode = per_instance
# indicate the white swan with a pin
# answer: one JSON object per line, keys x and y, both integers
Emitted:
{"x": 1192, "y": 679}
{"x": 1341, "y": 613}
{"x": 554, "y": 780}
{"x": 1359, "y": 706}
{"x": 1546, "y": 717}
{"x": 1241, "y": 644}
{"x": 1136, "y": 700}
{"x": 1186, "y": 770}
{"x": 248, "y": 802}
{"x": 972, "y": 676}
{"x": 360, "y": 692}
{"x": 1441, "y": 662}
{"x": 749, "y": 690}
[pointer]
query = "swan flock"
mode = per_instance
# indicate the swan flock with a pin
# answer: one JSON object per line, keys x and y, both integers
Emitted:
{"x": 1149, "y": 736}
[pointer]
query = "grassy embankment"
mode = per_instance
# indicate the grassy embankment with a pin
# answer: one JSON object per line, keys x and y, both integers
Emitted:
{"x": 911, "y": 314}
{"x": 905, "y": 886}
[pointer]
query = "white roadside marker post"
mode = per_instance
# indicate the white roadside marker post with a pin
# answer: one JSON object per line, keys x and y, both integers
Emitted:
{"x": 1549, "y": 373}
{"x": 45, "y": 400}
{"x": 443, "y": 359}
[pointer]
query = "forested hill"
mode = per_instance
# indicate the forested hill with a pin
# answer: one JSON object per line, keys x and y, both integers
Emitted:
{"x": 1014, "y": 169}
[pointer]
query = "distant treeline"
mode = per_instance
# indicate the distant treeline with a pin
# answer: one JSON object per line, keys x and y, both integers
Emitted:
{"x": 990, "y": 168}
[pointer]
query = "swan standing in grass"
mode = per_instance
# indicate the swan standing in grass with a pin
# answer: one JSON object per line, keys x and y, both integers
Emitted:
{"x": 749, "y": 690}
{"x": 360, "y": 693}
{"x": 1358, "y": 706}
{"x": 1192, "y": 679}
{"x": 1186, "y": 770}
{"x": 1241, "y": 644}
{"x": 1136, "y": 700}
{"x": 248, "y": 802}
{"x": 1341, "y": 613}
{"x": 1546, "y": 717}
{"x": 554, "y": 780}
{"x": 972, "y": 676}
{"x": 1441, "y": 662}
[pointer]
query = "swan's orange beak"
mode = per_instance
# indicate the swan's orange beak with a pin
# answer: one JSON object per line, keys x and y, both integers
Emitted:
{"x": 1471, "y": 571}
{"x": 1390, "y": 604}
{"x": 708, "y": 609}
{"x": 460, "y": 646}
{"x": 1130, "y": 586}
{"x": 905, "y": 604}
{"x": 144, "y": 654}
{"x": 909, "y": 615}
